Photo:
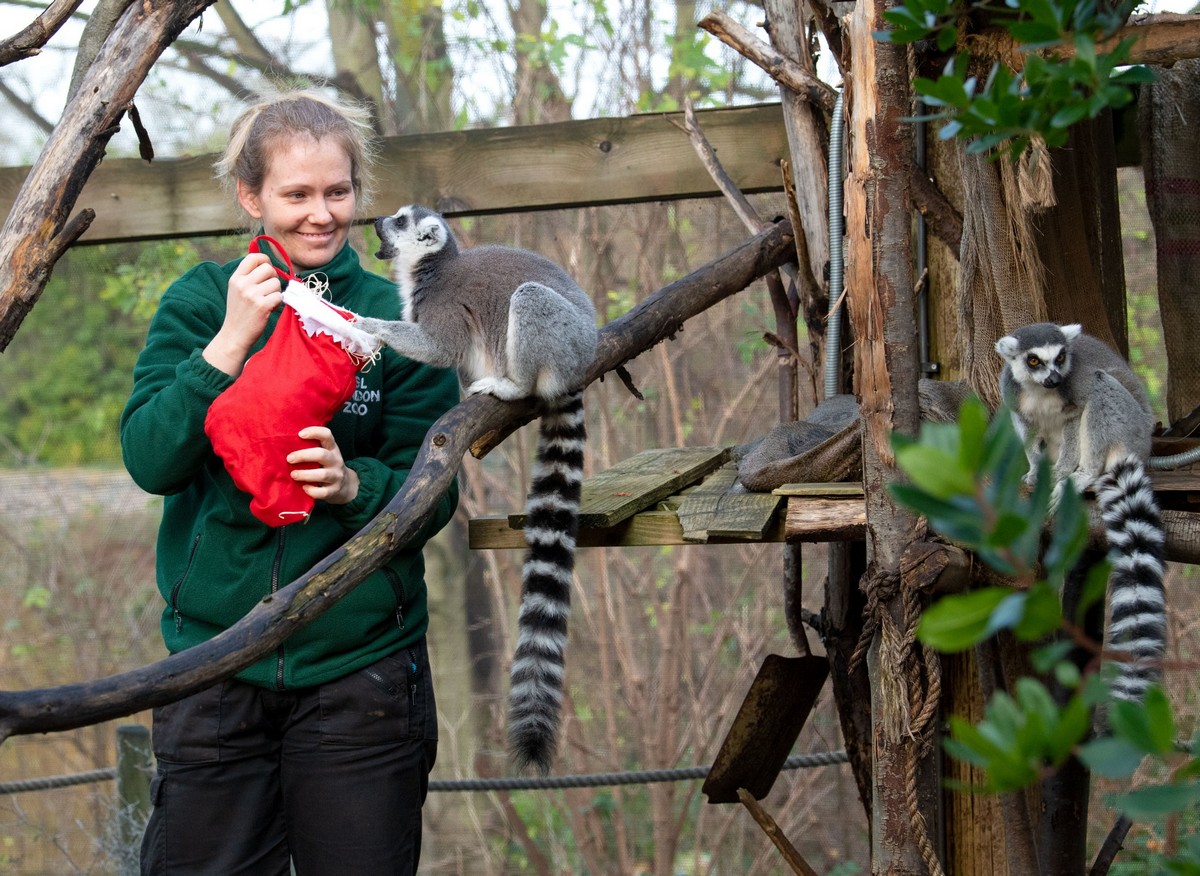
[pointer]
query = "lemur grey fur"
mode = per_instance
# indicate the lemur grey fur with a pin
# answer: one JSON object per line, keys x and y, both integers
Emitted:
{"x": 1076, "y": 400}
{"x": 513, "y": 324}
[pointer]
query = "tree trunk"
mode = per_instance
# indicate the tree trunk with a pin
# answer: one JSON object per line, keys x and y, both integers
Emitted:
{"x": 880, "y": 286}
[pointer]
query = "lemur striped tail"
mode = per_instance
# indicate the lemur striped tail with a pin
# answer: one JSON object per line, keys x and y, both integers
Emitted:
{"x": 1134, "y": 531}
{"x": 551, "y": 523}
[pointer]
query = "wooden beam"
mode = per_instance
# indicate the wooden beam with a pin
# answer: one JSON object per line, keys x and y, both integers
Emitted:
{"x": 496, "y": 170}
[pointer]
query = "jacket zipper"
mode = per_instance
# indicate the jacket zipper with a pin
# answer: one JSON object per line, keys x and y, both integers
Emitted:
{"x": 413, "y": 667}
{"x": 275, "y": 567}
{"x": 382, "y": 681}
{"x": 179, "y": 584}
{"x": 412, "y": 676}
{"x": 398, "y": 590}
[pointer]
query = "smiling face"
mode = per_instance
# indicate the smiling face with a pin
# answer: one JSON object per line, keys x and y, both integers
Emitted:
{"x": 307, "y": 199}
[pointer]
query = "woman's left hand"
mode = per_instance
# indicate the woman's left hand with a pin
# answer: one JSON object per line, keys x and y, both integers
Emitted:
{"x": 330, "y": 478}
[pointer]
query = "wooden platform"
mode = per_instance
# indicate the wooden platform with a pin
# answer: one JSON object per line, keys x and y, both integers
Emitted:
{"x": 680, "y": 496}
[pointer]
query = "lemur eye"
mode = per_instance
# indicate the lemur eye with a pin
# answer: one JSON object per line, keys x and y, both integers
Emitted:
{"x": 1062, "y": 357}
{"x": 1033, "y": 361}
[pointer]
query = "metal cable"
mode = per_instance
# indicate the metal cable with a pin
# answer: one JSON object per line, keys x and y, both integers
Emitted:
{"x": 508, "y": 783}
{"x": 49, "y": 782}
{"x": 593, "y": 780}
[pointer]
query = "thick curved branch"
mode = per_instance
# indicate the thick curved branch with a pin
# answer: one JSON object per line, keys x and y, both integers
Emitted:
{"x": 277, "y": 616}
{"x": 30, "y": 40}
{"x": 36, "y": 229}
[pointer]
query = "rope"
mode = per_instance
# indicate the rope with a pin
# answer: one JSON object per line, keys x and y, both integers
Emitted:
{"x": 595, "y": 780}
{"x": 49, "y": 782}
{"x": 910, "y": 685}
{"x": 511, "y": 783}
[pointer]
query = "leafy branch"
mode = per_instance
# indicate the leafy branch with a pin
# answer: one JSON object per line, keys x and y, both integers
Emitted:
{"x": 1038, "y": 99}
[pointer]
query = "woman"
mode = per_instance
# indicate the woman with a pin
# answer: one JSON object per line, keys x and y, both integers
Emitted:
{"x": 318, "y": 755}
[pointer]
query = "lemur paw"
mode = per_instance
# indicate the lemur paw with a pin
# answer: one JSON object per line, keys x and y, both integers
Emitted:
{"x": 500, "y": 387}
{"x": 1083, "y": 481}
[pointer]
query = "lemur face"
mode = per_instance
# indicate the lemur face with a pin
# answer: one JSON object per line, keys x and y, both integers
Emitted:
{"x": 1039, "y": 354}
{"x": 410, "y": 234}
{"x": 1047, "y": 365}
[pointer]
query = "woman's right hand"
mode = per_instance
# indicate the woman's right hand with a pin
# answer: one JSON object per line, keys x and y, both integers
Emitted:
{"x": 254, "y": 292}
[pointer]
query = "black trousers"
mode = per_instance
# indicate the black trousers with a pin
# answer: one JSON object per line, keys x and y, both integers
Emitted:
{"x": 330, "y": 778}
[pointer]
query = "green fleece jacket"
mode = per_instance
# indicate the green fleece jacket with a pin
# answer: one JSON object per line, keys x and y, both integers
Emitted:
{"x": 215, "y": 560}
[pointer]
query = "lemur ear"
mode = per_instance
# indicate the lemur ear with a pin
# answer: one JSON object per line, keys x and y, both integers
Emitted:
{"x": 1072, "y": 331}
{"x": 1007, "y": 347}
{"x": 432, "y": 232}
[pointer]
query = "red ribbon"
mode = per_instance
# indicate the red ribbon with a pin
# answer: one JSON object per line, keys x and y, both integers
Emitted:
{"x": 290, "y": 273}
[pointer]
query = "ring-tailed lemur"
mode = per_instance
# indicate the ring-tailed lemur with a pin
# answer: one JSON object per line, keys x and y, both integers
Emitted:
{"x": 1075, "y": 399}
{"x": 513, "y": 324}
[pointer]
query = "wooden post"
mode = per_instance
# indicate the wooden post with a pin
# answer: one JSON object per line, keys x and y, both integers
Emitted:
{"x": 135, "y": 765}
{"x": 906, "y": 821}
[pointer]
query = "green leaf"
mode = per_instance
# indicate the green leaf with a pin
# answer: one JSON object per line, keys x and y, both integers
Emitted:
{"x": 1068, "y": 537}
{"x": 1043, "y": 613}
{"x": 947, "y": 37}
{"x": 1157, "y": 800}
{"x": 957, "y": 519}
{"x": 1044, "y": 659}
{"x": 935, "y": 471}
{"x": 1111, "y": 758}
{"x": 1068, "y": 116}
{"x": 955, "y": 623}
{"x": 1148, "y": 726}
{"x": 973, "y": 425}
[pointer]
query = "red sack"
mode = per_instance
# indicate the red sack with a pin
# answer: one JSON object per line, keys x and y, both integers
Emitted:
{"x": 301, "y": 377}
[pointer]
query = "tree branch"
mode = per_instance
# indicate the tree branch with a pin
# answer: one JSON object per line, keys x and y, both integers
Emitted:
{"x": 780, "y": 68}
{"x": 26, "y": 109}
{"x": 35, "y": 231}
{"x": 249, "y": 46}
{"x": 29, "y": 41}
{"x": 277, "y": 616}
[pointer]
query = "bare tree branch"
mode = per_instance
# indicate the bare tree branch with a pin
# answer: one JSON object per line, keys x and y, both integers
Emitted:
{"x": 26, "y": 108}
{"x": 29, "y": 41}
{"x": 36, "y": 230}
{"x": 248, "y": 44}
{"x": 277, "y": 616}
{"x": 780, "y": 68}
{"x": 197, "y": 64}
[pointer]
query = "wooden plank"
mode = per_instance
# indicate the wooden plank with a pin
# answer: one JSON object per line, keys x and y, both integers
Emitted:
{"x": 838, "y": 489}
{"x": 710, "y": 509}
{"x": 649, "y": 528}
{"x": 494, "y": 170}
{"x": 820, "y": 519}
{"x": 744, "y": 516}
{"x": 1182, "y": 480}
{"x": 638, "y": 482}
{"x": 696, "y": 506}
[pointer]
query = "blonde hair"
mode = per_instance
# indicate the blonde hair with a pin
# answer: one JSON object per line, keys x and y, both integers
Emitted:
{"x": 259, "y": 131}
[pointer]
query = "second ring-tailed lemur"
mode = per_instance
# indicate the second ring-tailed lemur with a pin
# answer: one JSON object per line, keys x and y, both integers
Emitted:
{"x": 1076, "y": 400}
{"x": 513, "y": 324}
